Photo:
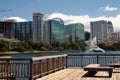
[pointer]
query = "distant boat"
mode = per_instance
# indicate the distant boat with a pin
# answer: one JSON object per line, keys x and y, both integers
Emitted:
{"x": 94, "y": 47}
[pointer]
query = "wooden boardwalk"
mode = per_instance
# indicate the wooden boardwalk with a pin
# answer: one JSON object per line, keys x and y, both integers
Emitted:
{"x": 79, "y": 74}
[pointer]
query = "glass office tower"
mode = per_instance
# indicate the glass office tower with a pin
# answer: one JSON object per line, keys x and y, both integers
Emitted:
{"x": 23, "y": 31}
{"x": 99, "y": 29}
{"x": 74, "y": 32}
{"x": 46, "y": 32}
{"x": 55, "y": 29}
{"x": 6, "y": 29}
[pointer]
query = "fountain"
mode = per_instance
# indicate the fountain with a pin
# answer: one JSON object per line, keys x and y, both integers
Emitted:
{"x": 94, "y": 47}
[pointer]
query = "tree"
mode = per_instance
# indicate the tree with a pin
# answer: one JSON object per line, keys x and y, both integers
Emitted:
{"x": 82, "y": 45}
{"x": 4, "y": 45}
{"x": 41, "y": 46}
{"x": 20, "y": 47}
{"x": 73, "y": 46}
{"x": 65, "y": 46}
{"x": 55, "y": 45}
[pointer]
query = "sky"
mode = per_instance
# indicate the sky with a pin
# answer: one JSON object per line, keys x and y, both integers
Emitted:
{"x": 71, "y": 11}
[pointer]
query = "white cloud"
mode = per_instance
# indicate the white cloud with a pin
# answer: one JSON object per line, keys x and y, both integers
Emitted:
{"x": 85, "y": 20}
{"x": 108, "y": 8}
{"x": 18, "y": 19}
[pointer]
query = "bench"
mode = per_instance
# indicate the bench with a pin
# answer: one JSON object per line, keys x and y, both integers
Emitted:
{"x": 93, "y": 68}
{"x": 117, "y": 64}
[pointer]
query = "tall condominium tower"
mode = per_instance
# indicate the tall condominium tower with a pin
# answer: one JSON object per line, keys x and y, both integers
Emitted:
{"x": 37, "y": 27}
{"x": 99, "y": 29}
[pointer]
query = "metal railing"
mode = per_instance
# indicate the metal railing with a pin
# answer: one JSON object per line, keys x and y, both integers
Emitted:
{"x": 31, "y": 68}
{"x": 81, "y": 60}
{"x": 36, "y": 67}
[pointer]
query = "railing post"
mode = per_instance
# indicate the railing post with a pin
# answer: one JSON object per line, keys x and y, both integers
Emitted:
{"x": 53, "y": 64}
{"x": 40, "y": 64}
{"x": 31, "y": 69}
{"x": 82, "y": 61}
{"x": 97, "y": 59}
{"x": 66, "y": 58}
{"x": 113, "y": 58}
{"x": 47, "y": 66}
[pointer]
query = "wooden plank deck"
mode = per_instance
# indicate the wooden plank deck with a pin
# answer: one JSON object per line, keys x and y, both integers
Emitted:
{"x": 79, "y": 74}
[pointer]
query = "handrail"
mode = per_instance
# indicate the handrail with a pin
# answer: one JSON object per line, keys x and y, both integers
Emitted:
{"x": 47, "y": 57}
{"x": 81, "y": 60}
{"x": 35, "y": 67}
{"x": 92, "y": 54}
{"x": 31, "y": 67}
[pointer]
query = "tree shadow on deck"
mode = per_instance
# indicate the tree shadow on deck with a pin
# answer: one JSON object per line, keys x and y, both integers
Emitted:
{"x": 88, "y": 75}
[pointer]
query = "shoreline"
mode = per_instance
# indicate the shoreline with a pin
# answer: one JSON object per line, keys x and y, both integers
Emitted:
{"x": 26, "y": 52}
{"x": 36, "y": 52}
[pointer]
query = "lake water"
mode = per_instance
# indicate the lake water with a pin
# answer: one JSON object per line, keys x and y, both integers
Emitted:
{"x": 29, "y": 55}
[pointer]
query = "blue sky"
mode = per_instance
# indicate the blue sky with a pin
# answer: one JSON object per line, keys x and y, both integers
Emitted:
{"x": 25, "y": 8}
{"x": 75, "y": 8}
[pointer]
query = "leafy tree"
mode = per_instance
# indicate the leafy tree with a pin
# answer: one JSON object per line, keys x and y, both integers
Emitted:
{"x": 41, "y": 46}
{"x": 82, "y": 45}
{"x": 21, "y": 48}
{"x": 65, "y": 46}
{"x": 55, "y": 45}
{"x": 31, "y": 44}
{"x": 72, "y": 45}
{"x": 4, "y": 45}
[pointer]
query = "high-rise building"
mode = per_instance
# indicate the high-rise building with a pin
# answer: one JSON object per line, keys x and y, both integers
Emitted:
{"x": 6, "y": 29}
{"x": 54, "y": 30}
{"x": 37, "y": 27}
{"x": 74, "y": 32}
{"x": 87, "y": 35}
{"x": 109, "y": 30}
{"x": 23, "y": 31}
{"x": 46, "y": 31}
{"x": 115, "y": 37}
{"x": 16, "y": 30}
{"x": 99, "y": 29}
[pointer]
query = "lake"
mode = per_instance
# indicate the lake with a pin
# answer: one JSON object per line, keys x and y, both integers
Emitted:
{"x": 29, "y": 55}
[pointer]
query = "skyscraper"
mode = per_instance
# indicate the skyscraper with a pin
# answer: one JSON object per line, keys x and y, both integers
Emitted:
{"x": 6, "y": 29}
{"x": 47, "y": 31}
{"x": 99, "y": 29}
{"x": 54, "y": 30}
{"x": 23, "y": 31}
{"x": 37, "y": 27}
{"x": 109, "y": 30}
{"x": 74, "y": 32}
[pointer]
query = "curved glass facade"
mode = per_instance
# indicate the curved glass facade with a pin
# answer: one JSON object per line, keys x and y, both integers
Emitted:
{"x": 57, "y": 30}
{"x": 74, "y": 32}
{"x": 79, "y": 31}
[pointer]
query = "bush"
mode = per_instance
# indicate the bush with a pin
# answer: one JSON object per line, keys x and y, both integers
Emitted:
{"x": 4, "y": 45}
